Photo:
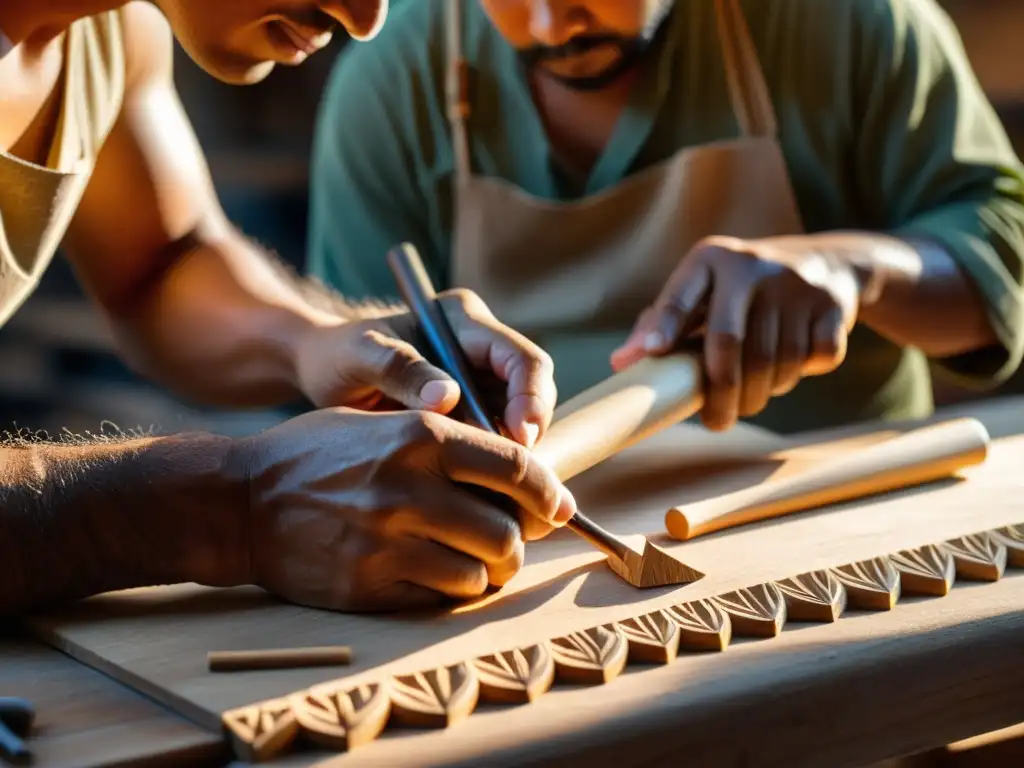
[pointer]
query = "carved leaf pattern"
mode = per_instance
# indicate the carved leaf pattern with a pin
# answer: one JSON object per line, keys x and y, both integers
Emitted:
{"x": 927, "y": 570}
{"x": 343, "y": 719}
{"x": 980, "y": 557}
{"x": 653, "y": 638}
{"x": 813, "y": 596}
{"x": 703, "y": 625}
{"x": 758, "y": 611}
{"x": 262, "y": 731}
{"x": 439, "y": 697}
{"x": 1012, "y": 537}
{"x": 517, "y": 676}
{"x": 871, "y": 584}
{"x": 593, "y": 656}
{"x": 436, "y": 698}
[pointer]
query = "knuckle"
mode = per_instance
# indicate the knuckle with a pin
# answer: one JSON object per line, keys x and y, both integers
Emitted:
{"x": 369, "y": 339}
{"x": 421, "y": 429}
{"x": 392, "y": 363}
{"x": 391, "y": 519}
{"x": 471, "y": 577}
{"x": 519, "y": 463}
{"x": 718, "y": 243}
{"x": 464, "y": 300}
{"x": 501, "y": 573}
{"x": 508, "y": 538}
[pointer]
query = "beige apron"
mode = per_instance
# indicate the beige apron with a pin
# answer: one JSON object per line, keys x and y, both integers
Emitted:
{"x": 574, "y": 276}
{"x": 38, "y": 202}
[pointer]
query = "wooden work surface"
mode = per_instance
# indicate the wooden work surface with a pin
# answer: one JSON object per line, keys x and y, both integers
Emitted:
{"x": 86, "y": 719}
{"x": 869, "y": 686}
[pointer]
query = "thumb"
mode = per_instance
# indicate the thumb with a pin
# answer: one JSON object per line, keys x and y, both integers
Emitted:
{"x": 400, "y": 373}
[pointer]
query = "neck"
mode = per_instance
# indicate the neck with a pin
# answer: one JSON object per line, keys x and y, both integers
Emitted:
{"x": 22, "y": 22}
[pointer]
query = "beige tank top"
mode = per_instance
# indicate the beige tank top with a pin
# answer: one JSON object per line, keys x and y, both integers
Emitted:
{"x": 37, "y": 202}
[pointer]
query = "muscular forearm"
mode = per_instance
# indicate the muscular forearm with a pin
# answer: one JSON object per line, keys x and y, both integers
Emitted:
{"x": 224, "y": 322}
{"x": 916, "y": 294}
{"x": 81, "y": 519}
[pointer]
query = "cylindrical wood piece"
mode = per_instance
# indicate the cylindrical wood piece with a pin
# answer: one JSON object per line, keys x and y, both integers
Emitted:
{"x": 920, "y": 456}
{"x": 647, "y": 397}
{"x": 279, "y": 658}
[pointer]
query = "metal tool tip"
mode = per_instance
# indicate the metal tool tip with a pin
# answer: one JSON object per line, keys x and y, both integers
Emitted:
{"x": 654, "y": 568}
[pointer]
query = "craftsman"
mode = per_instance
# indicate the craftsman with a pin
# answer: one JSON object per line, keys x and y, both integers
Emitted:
{"x": 812, "y": 187}
{"x": 338, "y": 508}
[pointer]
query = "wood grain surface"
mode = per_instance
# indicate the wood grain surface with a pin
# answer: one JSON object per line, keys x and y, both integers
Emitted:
{"x": 822, "y": 680}
{"x": 84, "y": 718}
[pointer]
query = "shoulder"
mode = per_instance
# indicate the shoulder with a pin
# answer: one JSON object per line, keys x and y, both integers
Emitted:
{"x": 148, "y": 44}
{"x": 844, "y": 23}
{"x": 385, "y": 98}
{"x": 405, "y": 59}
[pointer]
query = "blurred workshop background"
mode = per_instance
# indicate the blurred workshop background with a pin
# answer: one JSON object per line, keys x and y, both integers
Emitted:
{"x": 57, "y": 368}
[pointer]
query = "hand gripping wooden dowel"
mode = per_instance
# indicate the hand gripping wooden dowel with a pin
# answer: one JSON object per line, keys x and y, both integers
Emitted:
{"x": 923, "y": 455}
{"x": 596, "y": 424}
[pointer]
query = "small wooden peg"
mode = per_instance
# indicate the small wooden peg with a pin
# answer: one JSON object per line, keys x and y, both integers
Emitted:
{"x": 279, "y": 658}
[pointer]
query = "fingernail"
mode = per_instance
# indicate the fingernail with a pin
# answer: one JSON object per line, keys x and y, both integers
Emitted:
{"x": 653, "y": 342}
{"x": 566, "y": 509}
{"x": 531, "y": 432}
{"x": 438, "y": 392}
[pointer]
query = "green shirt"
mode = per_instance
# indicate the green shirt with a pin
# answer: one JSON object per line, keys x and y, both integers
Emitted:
{"x": 881, "y": 121}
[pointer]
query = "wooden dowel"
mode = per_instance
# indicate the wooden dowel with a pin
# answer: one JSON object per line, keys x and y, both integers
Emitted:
{"x": 279, "y": 658}
{"x": 921, "y": 456}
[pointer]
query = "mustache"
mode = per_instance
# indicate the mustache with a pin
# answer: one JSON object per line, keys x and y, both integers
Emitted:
{"x": 578, "y": 46}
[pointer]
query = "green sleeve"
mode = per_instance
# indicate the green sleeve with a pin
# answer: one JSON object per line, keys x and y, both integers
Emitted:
{"x": 933, "y": 161}
{"x": 364, "y": 197}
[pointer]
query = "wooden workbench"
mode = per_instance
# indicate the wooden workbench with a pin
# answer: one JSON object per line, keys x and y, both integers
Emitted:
{"x": 867, "y": 687}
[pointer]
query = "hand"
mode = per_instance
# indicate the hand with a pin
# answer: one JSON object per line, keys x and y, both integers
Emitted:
{"x": 373, "y": 364}
{"x": 771, "y": 312}
{"x": 364, "y": 511}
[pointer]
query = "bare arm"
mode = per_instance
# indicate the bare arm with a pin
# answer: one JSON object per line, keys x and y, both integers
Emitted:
{"x": 192, "y": 303}
{"x": 915, "y": 293}
{"x": 81, "y": 519}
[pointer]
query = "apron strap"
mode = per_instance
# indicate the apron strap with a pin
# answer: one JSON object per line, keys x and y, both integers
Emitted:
{"x": 457, "y": 91}
{"x": 748, "y": 91}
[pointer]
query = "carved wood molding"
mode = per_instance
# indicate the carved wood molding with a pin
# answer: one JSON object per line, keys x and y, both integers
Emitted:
{"x": 343, "y": 718}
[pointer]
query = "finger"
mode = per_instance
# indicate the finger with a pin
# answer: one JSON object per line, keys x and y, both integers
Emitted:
{"x": 673, "y": 314}
{"x": 400, "y": 372}
{"x": 499, "y": 574}
{"x": 759, "y": 356}
{"x": 394, "y": 596}
{"x": 532, "y": 527}
{"x": 670, "y": 318}
{"x": 431, "y": 565}
{"x": 677, "y": 316}
{"x": 828, "y": 343}
{"x": 632, "y": 349}
{"x": 723, "y": 352}
{"x": 527, "y": 370}
{"x": 455, "y": 517}
{"x": 793, "y": 349}
{"x": 469, "y": 455}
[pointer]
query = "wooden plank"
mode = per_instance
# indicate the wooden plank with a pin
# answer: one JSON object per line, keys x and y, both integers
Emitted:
{"x": 86, "y": 720}
{"x": 158, "y": 639}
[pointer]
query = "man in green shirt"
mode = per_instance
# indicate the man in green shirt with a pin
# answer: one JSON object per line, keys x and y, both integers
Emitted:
{"x": 818, "y": 189}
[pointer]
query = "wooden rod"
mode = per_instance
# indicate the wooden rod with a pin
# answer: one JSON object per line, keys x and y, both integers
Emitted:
{"x": 923, "y": 455}
{"x": 592, "y": 426}
{"x": 622, "y": 410}
{"x": 279, "y": 658}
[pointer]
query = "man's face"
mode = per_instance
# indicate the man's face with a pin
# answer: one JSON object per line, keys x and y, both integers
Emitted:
{"x": 583, "y": 43}
{"x": 239, "y": 41}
